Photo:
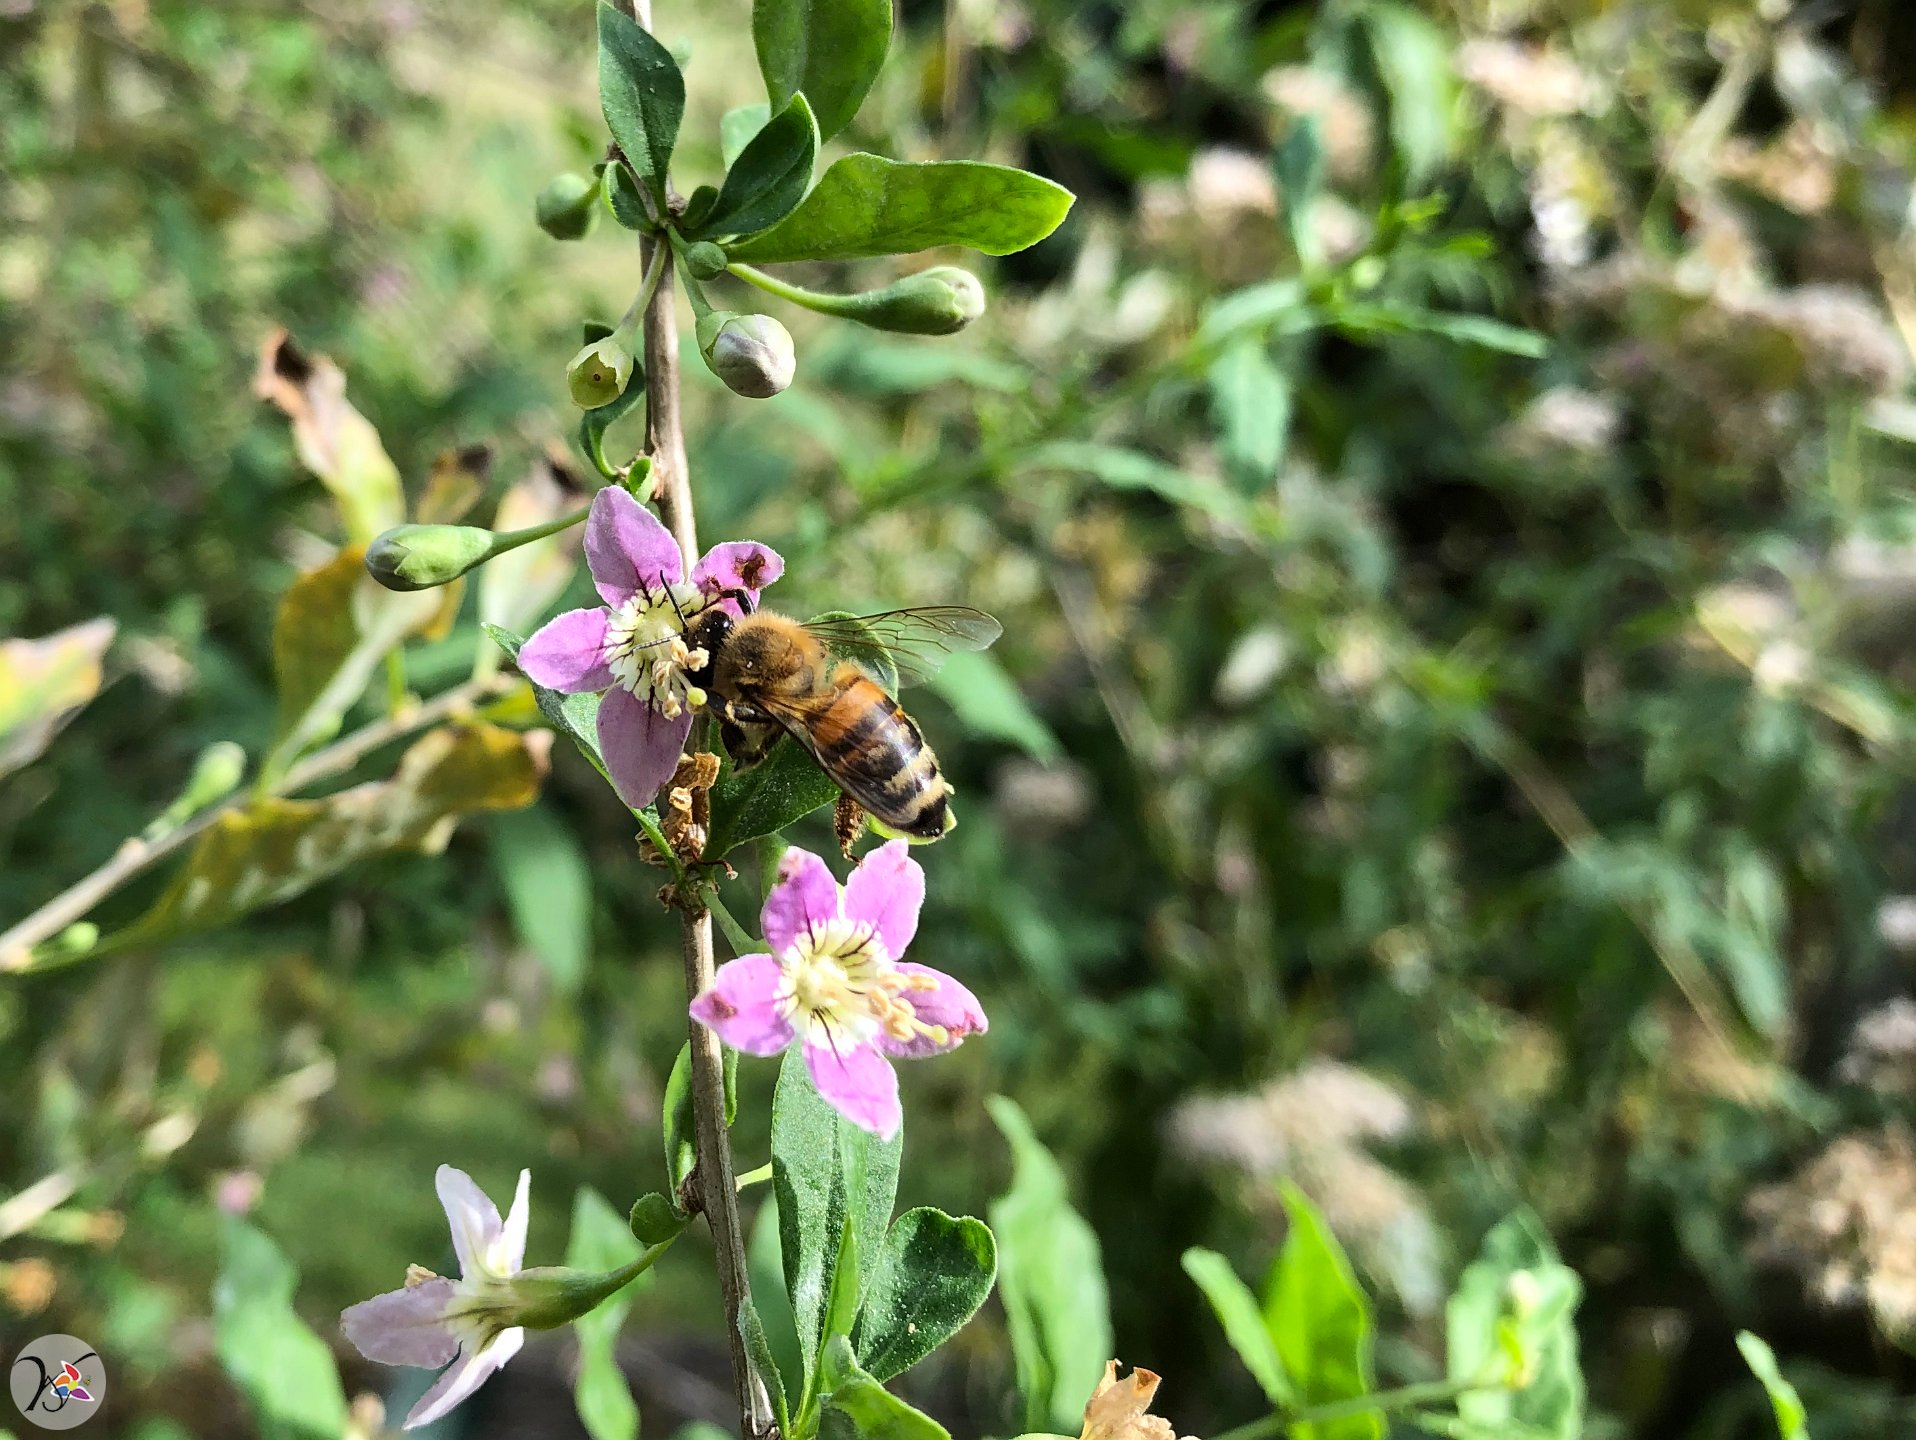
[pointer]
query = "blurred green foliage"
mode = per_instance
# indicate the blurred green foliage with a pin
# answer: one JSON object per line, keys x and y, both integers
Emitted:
{"x": 1447, "y": 488}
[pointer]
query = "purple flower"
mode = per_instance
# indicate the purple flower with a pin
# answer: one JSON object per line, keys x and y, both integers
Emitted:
{"x": 433, "y": 1320}
{"x": 833, "y": 981}
{"x": 634, "y": 648}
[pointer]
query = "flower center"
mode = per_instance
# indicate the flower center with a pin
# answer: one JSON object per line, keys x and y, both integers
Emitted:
{"x": 646, "y": 651}
{"x": 844, "y": 988}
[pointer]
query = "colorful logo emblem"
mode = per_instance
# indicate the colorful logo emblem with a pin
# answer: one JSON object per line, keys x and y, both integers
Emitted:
{"x": 57, "y": 1382}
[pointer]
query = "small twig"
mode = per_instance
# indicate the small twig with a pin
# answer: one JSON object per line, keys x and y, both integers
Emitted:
{"x": 136, "y": 855}
{"x": 665, "y": 434}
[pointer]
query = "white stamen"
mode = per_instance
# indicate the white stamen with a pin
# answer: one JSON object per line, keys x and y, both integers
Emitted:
{"x": 646, "y": 651}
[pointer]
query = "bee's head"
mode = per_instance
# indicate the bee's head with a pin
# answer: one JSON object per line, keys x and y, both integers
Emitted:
{"x": 709, "y": 631}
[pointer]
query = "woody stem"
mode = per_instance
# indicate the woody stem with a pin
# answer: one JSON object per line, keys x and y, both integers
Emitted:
{"x": 665, "y": 434}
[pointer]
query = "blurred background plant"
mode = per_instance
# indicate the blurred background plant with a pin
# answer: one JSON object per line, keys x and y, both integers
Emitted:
{"x": 1447, "y": 489}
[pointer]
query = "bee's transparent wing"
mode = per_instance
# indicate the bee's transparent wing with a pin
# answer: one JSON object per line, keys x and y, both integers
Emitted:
{"x": 905, "y": 646}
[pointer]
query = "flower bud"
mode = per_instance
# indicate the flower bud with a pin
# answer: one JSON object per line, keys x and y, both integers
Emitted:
{"x": 751, "y": 353}
{"x": 705, "y": 260}
{"x": 599, "y": 373}
{"x": 418, "y": 557}
{"x": 939, "y": 301}
{"x": 566, "y": 206}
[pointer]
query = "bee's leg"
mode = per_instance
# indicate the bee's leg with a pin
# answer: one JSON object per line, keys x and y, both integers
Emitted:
{"x": 848, "y": 821}
{"x": 747, "y": 742}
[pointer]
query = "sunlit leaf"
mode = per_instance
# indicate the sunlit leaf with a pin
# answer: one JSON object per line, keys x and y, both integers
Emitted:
{"x": 770, "y": 175}
{"x": 1320, "y": 1322}
{"x": 828, "y": 1175}
{"x": 929, "y": 1278}
{"x": 1237, "y": 1310}
{"x": 1413, "y": 58}
{"x": 44, "y": 683}
{"x": 738, "y": 126}
{"x": 334, "y": 440}
{"x": 857, "y": 1407}
{"x": 1792, "y": 1420}
{"x": 642, "y": 94}
{"x": 831, "y": 50}
{"x": 867, "y": 205}
{"x": 1051, "y": 1280}
{"x": 1251, "y": 399}
{"x": 1512, "y": 1319}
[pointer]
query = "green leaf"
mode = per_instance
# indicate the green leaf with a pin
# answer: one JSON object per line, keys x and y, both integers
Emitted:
{"x": 681, "y": 1125}
{"x": 857, "y": 1407}
{"x": 829, "y": 1176}
{"x": 1320, "y": 1322}
{"x": 44, "y": 683}
{"x": 1412, "y": 55}
{"x": 272, "y": 850}
{"x": 1251, "y": 401}
{"x": 627, "y": 205}
{"x": 1123, "y": 469}
{"x": 758, "y": 1350}
{"x": 769, "y": 177}
{"x": 602, "y": 1240}
{"x": 990, "y": 704}
{"x": 642, "y": 93}
{"x": 284, "y": 1370}
{"x": 930, "y": 1278}
{"x": 1502, "y": 1329}
{"x": 867, "y": 205}
{"x": 830, "y": 49}
{"x": 334, "y": 627}
{"x": 1364, "y": 321}
{"x": 548, "y": 884}
{"x": 764, "y": 1263}
{"x": 1260, "y": 308}
{"x": 573, "y": 716}
{"x": 737, "y": 127}
{"x": 1792, "y": 1420}
{"x": 1298, "y": 164}
{"x": 1051, "y": 1281}
{"x": 783, "y": 788}
{"x": 1237, "y": 1311}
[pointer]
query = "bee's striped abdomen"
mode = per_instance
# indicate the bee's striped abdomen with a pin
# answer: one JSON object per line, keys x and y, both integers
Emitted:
{"x": 874, "y": 750}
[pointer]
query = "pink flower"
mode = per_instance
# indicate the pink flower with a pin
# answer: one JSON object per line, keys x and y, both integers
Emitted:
{"x": 833, "y": 980}
{"x": 634, "y": 647}
{"x": 433, "y": 1320}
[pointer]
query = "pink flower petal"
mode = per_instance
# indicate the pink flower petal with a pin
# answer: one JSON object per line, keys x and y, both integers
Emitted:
{"x": 641, "y": 747}
{"x": 474, "y": 1219}
{"x": 466, "y": 1376}
{"x": 512, "y": 1241}
{"x": 886, "y": 891}
{"x": 404, "y": 1327}
{"x": 737, "y": 565}
{"x": 804, "y": 897}
{"x": 567, "y": 654}
{"x": 950, "y": 1005}
{"x": 627, "y": 549}
{"x": 742, "y": 1006}
{"x": 858, "y": 1083}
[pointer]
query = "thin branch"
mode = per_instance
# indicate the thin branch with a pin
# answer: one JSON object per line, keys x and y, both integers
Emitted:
{"x": 665, "y": 433}
{"x": 136, "y": 854}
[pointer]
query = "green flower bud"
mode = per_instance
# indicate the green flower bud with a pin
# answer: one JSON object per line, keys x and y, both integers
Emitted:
{"x": 939, "y": 301}
{"x": 705, "y": 260}
{"x": 566, "y": 206}
{"x": 418, "y": 557}
{"x": 751, "y": 353}
{"x": 599, "y": 373}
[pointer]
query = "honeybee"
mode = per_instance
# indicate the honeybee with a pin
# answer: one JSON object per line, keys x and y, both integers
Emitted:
{"x": 818, "y": 681}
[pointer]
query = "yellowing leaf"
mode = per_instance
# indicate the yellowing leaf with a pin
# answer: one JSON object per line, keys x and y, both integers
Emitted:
{"x": 275, "y": 849}
{"x": 334, "y": 441}
{"x": 456, "y": 484}
{"x": 334, "y": 626}
{"x": 44, "y": 683}
{"x": 516, "y": 588}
